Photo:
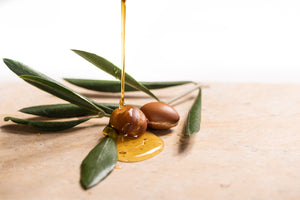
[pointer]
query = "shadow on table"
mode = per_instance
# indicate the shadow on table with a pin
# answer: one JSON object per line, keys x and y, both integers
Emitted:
{"x": 185, "y": 142}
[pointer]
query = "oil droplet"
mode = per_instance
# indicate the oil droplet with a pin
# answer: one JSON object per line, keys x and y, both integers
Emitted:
{"x": 138, "y": 149}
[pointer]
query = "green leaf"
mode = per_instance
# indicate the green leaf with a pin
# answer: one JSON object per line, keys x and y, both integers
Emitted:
{"x": 48, "y": 126}
{"x": 58, "y": 111}
{"x": 114, "y": 86}
{"x": 62, "y": 92}
{"x": 113, "y": 70}
{"x": 194, "y": 117}
{"x": 99, "y": 162}
{"x": 22, "y": 69}
{"x": 47, "y": 84}
{"x": 67, "y": 110}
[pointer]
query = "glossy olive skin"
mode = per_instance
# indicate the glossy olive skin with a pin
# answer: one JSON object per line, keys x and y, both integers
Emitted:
{"x": 128, "y": 120}
{"x": 160, "y": 115}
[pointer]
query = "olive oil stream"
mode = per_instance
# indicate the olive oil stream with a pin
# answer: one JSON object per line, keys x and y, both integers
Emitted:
{"x": 123, "y": 20}
{"x": 147, "y": 145}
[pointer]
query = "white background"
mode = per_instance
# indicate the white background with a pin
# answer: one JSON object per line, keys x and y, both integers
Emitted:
{"x": 201, "y": 40}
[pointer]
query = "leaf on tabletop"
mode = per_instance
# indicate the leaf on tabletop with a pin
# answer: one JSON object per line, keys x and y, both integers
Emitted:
{"x": 99, "y": 162}
{"x": 58, "y": 111}
{"x": 114, "y": 86}
{"x": 194, "y": 117}
{"x": 48, "y": 126}
{"x": 113, "y": 70}
{"x": 48, "y": 84}
{"x": 67, "y": 110}
{"x": 61, "y": 91}
{"x": 22, "y": 69}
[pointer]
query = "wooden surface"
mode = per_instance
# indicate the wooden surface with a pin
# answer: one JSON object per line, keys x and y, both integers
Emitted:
{"x": 248, "y": 148}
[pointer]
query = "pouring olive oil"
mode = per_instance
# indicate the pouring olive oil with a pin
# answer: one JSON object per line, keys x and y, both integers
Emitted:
{"x": 126, "y": 136}
{"x": 123, "y": 20}
{"x": 134, "y": 143}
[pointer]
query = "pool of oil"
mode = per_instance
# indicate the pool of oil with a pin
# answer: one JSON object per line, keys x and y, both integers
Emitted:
{"x": 138, "y": 149}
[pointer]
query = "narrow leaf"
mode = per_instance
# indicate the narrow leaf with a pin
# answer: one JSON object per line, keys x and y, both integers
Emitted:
{"x": 99, "y": 162}
{"x": 61, "y": 91}
{"x": 194, "y": 117}
{"x": 49, "y": 85}
{"x": 113, "y": 70}
{"x": 67, "y": 110}
{"x": 58, "y": 111}
{"x": 22, "y": 69}
{"x": 48, "y": 126}
{"x": 114, "y": 86}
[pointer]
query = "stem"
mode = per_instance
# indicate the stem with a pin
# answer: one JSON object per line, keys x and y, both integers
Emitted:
{"x": 102, "y": 114}
{"x": 197, "y": 86}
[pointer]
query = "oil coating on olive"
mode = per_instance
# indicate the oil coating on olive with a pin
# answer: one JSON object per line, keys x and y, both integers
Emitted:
{"x": 160, "y": 115}
{"x": 128, "y": 120}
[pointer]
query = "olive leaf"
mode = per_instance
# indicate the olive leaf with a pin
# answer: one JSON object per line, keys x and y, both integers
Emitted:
{"x": 22, "y": 69}
{"x": 49, "y": 85}
{"x": 113, "y": 70}
{"x": 62, "y": 92}
{"x": 58, "y": 111}
{"x": 67, "y": 110}
{"x": 114, "y": 86}
{"x": 48, "y": 126}
{"x": 194, "y": 117}
{"x": 99, "y": 162}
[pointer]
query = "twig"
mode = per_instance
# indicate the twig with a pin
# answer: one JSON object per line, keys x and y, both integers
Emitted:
{"x": 197, "y": 86}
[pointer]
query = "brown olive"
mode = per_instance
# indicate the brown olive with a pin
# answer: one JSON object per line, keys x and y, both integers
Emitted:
{"x": 128, "y": 120}
{"x": 160, "y": 115}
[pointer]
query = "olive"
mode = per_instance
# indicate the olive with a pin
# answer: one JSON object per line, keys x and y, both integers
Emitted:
{"x": 128, "y": 120}
{"x": 160, "y": 115}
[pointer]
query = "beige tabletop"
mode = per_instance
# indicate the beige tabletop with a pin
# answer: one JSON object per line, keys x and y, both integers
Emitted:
{"x": 248, "y": 148}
